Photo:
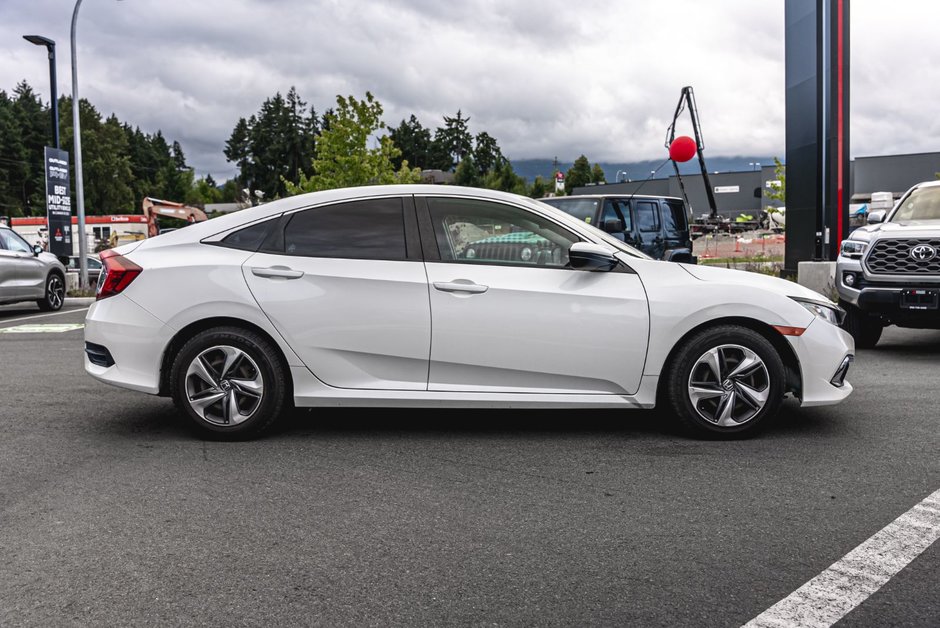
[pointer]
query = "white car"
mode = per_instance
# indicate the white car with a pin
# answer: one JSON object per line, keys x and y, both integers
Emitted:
{"x": 448, "y": 297}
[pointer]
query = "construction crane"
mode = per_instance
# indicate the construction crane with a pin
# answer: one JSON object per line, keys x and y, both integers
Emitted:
{"x": 154, "y": 207}
{"x": 687, "y": 101}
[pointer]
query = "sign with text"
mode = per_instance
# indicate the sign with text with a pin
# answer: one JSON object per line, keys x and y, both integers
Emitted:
{"x": 58, "y": 202}
{"x": 727, "y": 189}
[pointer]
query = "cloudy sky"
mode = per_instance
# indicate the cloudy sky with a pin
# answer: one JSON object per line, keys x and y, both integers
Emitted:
{"x": 545, "y": 77}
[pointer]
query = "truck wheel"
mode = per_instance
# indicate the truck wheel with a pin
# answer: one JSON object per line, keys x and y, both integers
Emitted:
{"x": 725, "y": 382}
{"x": 864, "y": 329}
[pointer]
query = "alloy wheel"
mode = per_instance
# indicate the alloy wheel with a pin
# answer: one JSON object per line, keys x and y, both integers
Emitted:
{"x": 224, "y": 385}
{"x": 729, "y": 385}
{"x": 55, "y": 292}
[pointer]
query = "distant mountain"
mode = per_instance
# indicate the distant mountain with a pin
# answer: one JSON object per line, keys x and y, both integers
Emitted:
{"x": 531, "y": 168}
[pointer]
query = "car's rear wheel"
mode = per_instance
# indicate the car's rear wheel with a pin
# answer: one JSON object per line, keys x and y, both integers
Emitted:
{"x": 54, "y": 297}
{"x": 864, "y": 328}
{"x": 725, "y": 382}
{"x": 229, "y": 382}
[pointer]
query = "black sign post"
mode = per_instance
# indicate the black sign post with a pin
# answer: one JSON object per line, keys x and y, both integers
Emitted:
{"x": 58, "y": 202}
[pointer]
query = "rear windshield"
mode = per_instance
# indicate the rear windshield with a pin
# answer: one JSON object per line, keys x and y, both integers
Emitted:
{"x": 581, "y": 208}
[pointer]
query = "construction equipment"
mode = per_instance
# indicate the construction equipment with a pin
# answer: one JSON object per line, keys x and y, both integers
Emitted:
{"x": 154, "y": 207}
{"x": 687, "y": 101}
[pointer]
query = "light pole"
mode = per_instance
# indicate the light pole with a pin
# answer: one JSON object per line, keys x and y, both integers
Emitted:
{"x": 39, "y": 40}
{"x": 79, "y": 187}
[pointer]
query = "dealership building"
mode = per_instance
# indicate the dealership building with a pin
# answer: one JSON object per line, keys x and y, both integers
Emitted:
{"x": 743, "y": 191}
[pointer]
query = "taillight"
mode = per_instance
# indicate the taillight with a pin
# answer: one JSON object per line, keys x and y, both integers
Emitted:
{"x": 118, "y": 273}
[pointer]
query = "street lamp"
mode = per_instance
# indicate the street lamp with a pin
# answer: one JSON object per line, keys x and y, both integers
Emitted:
{"x": 39, "y": 40}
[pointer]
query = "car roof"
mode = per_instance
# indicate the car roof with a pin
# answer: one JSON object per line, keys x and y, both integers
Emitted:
{"x": 624, "y": 195}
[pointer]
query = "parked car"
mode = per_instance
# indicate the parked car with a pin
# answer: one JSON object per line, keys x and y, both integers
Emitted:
{"x": 370, "y": 296}
{"x": 657, "y": 225}
{"x": 93, "y": 262}
{"x": 888, "y": 272}
{"x": 27, "y": 273}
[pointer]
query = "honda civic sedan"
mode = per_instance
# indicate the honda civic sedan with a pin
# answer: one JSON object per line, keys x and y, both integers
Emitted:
{"x": 383, "y": 297}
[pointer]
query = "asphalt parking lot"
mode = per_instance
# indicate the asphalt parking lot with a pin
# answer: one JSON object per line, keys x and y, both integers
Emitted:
{"x": 111, "y": 512}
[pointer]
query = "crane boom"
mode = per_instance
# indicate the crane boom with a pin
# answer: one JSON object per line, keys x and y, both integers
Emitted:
{"x": 687, "y": 101}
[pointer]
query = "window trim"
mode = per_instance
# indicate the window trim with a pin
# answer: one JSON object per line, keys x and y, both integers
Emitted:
{"x": 273, "y": 243}
{"x": 429, "y": 239}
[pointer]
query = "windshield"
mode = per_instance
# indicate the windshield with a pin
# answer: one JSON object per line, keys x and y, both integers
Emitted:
{"x": 921, "y": 204}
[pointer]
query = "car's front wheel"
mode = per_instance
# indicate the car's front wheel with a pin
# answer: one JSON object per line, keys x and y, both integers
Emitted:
{"x": 726, "y": 381}
{"x": 54, "y": 296}
{"x": 229, "y": 382}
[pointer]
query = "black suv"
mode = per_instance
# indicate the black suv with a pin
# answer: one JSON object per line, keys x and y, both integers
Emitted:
{"x": 657, "y": 225}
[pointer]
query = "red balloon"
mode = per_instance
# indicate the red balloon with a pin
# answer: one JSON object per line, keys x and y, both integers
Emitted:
{"x": 682, "y": 148}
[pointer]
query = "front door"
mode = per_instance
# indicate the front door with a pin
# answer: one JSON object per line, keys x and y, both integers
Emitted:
{"x": 349, "y": 294}
{"x": 510, "y": 316}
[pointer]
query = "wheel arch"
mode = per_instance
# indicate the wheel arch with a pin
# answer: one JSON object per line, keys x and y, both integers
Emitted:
{"x": 790, "y": 360}
{"x": 189, "y": 331}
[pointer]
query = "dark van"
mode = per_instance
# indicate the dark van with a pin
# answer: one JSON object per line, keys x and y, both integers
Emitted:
{"x": 657, "y": 225}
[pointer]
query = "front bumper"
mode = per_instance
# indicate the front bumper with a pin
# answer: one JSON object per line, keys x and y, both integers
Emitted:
{"x": 883, "y": 298}
{"x": 822, "y": 351}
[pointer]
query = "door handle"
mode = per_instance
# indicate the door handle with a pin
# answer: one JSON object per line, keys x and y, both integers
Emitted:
{"x": 282, "y": 272}
{"x": 457, "y": 286}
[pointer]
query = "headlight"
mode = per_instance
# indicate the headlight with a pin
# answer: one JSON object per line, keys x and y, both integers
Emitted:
{"x": 853, "y": 248}
{"x": 829, "y": 312}
{"x": 526, "y": 254}
{"x": 471, "y": 254}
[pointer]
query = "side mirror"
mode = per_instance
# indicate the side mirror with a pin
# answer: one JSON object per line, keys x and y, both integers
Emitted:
{"x": 589, "y": 256}
{"x": 36, "y": 250}
{"x": 613, "y": 225}
{"x": 876, "y": 216}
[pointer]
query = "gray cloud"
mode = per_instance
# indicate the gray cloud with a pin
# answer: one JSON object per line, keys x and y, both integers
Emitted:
{"x": 546, "y": 78}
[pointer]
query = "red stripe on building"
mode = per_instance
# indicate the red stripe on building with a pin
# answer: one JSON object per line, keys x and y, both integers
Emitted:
{"x": 115, "y": 219}
{"x": 840, "y": 192}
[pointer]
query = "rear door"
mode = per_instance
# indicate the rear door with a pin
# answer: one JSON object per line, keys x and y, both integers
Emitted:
{"x": 649, "y": 228}
{"x": 675, "y": 224}
{"x": 345, "y": 286}
{"x": 8, "y": 263}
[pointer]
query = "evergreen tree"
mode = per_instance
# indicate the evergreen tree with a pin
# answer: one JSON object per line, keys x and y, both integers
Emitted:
{"x": 578, "y": 175}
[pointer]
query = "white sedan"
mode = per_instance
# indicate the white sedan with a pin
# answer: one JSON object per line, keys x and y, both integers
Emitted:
{"x": 448, "y": 297}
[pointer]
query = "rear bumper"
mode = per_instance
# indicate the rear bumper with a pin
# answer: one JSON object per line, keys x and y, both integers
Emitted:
{"x": 133, "y": 337}
{"x": 822, "y": 351}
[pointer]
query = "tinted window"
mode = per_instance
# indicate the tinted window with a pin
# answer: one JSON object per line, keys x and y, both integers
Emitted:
{"x": 480, "y": 232}
{"x": 581, "y": 208}
{"x": 617, "y": 209}
{"x": 674, "y": 217}
{"x": 647, "y": 216}
{"x": 370, "y": 229}
{"x": 249, "y": 238}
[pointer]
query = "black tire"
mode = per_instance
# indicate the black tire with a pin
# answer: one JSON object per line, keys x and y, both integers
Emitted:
{"x": 54, "y": 298}
{"x": 864, "y": 328}
{"x": 263, "y": 364}
{"x": 705, "y": 418}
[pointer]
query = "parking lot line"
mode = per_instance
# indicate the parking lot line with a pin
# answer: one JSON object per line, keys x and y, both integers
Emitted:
{"x": 28, "y": 318}
{"x": 849, "y": 581}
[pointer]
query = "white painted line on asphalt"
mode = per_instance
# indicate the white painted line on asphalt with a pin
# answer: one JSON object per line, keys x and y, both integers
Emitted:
{"x": 42, "y": 328}
{"x": 828, "y": 597}
{"x": 29, "y": 318}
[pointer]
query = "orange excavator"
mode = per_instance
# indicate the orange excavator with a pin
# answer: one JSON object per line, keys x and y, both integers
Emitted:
{"x": 154, "y": 207}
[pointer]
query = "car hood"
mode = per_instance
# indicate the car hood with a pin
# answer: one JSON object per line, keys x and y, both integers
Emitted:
{"x": 756, "y": 280}
{"x": 907, "y": 228}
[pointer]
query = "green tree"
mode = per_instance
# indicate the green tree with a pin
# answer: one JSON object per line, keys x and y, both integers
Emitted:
{"x": 778, "y": 192}
{"x": 578, "y": 175}
{"x": 486, "y": 152}
{"x": 344, "y": 158}
{"x": 414, "y": 142}
{"x": 451, "y": 142}
{"x": 597, "y": 174}
{"x": 467, "y": 173}
{"x": 540, "y": 188}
